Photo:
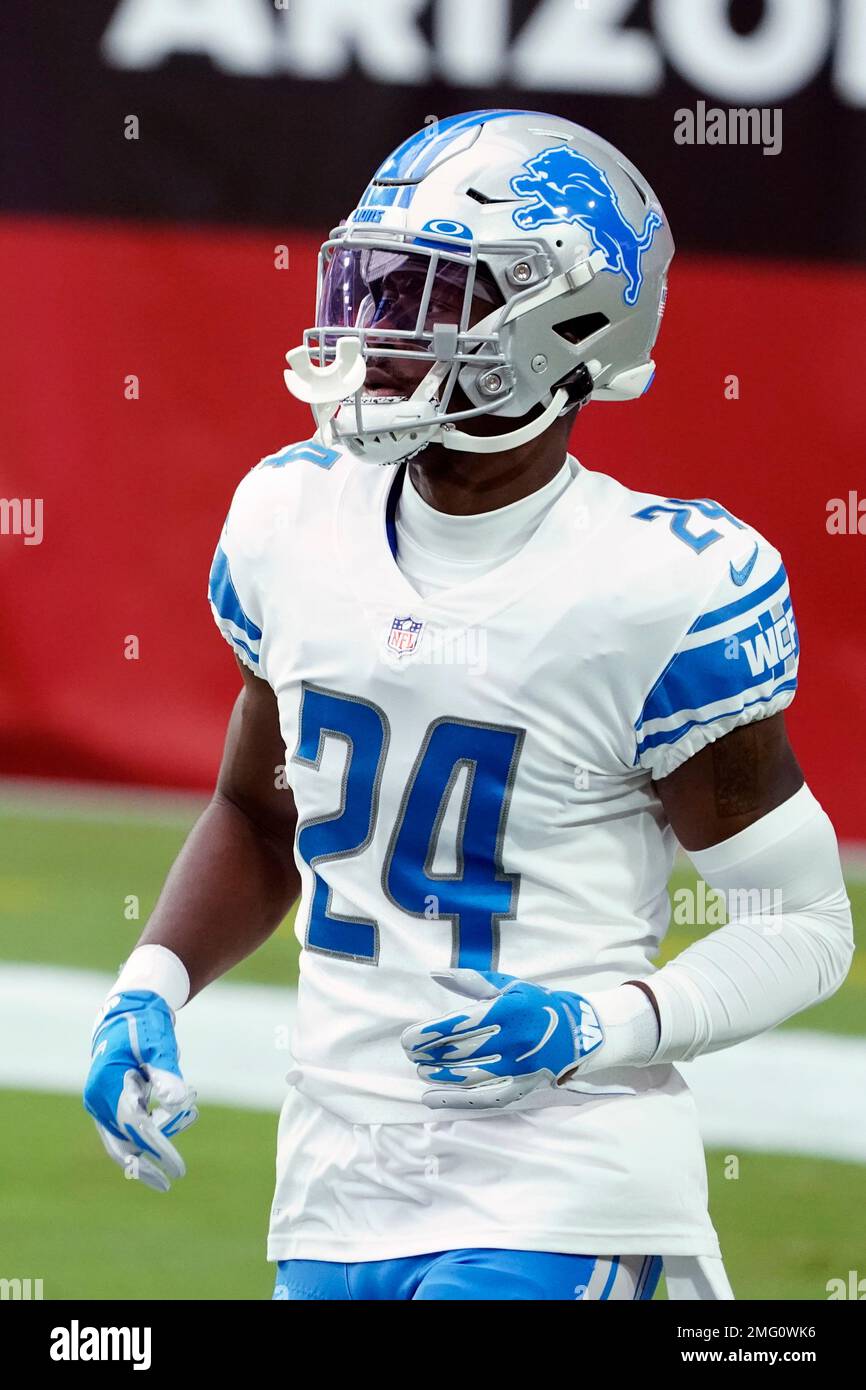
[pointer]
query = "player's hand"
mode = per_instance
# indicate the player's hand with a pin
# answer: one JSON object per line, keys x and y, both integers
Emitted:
{"x": 519, "y": 1036}
{"x": 135, "y": 1091}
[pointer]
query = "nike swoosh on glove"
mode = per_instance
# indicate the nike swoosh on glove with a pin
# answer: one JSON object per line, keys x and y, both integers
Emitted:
{"x": 134, "y": 1089}
{"x": 518, "y": 1037}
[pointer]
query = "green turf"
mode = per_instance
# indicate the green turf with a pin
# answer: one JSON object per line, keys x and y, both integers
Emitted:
{"x": 787, "y": 1224}
{"x": 64, "y": 885}
{"x": 70, "y": 1218}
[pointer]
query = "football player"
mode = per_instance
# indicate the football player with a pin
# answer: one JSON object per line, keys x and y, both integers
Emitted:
{"x": 486, "y": 690}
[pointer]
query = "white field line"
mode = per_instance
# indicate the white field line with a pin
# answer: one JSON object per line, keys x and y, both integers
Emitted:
{"x": 791, "y": 1092}
{"x": 227, "y": 1035}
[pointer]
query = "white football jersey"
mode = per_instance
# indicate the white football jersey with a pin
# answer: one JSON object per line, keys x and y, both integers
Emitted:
{"x": 473, "y": 778}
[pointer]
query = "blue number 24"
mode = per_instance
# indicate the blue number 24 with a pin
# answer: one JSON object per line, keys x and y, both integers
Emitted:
{"x": 680, "y": 512}
{"x": 479, "y": 894}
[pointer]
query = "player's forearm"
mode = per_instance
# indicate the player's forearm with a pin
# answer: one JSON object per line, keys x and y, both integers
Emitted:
{"x": 228, "y": 890}
{"x": 787, "y": 946}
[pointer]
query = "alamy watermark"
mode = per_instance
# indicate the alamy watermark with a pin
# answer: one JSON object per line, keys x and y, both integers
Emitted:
{"x": 711, "y": 907}
{"x": 846, "y": 516}
{"x": 85, "y": 1343}
{"x": 853, "y": 1287}
{"x": 432, "y": 644}
{"x": 22, "y": 516}
{"x": 738, "y": 125}
{"x": 23, "y": 1290}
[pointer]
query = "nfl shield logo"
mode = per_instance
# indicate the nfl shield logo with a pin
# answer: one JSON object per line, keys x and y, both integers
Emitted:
{"x": 404, "y": 636}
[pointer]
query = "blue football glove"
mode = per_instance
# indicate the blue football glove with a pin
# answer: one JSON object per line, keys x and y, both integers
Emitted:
{"x": 518, "y": 1037}
{"x": 135, "y": 1091}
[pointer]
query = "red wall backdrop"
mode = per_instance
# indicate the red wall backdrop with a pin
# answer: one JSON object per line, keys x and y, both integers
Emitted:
{"x": 134, "y": 492}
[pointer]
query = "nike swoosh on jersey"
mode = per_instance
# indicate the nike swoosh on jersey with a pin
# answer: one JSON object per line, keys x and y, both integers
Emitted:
{"x": 740, "y": 576}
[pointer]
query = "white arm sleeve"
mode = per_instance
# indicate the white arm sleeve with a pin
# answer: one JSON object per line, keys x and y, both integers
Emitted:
{"x": 787, "y": 943}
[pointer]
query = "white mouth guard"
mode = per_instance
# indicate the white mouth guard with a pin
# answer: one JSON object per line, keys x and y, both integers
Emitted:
{"x": 323, "y": 388}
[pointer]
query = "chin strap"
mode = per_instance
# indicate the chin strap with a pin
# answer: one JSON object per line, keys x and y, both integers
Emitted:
{"x": 496, "y": 443}
{"x": 325, "y": 388}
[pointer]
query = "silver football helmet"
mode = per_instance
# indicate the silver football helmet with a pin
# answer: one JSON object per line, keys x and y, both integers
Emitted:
{"x": 500, "y": 263}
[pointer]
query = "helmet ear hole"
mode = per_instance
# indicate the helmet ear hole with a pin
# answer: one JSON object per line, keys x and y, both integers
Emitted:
{"x": 583, "y": 326}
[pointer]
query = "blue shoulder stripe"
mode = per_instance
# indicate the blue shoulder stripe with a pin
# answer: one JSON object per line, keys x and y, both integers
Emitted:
{"x": 224, "y": 597}
{"x": 726, "y": 668}
{"x": 741, "y": 605}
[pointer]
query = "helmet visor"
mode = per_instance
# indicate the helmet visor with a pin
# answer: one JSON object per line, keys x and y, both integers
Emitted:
{"x": 403, "y": 293}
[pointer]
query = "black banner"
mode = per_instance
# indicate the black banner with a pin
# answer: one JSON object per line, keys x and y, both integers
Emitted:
{"x": 231, "y": 1338}
{"x": 748, "y": 118}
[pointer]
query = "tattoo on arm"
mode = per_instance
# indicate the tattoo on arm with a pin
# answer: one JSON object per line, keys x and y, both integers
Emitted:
{"x": 737, "y": 779}
{"x": 730, "y": 783}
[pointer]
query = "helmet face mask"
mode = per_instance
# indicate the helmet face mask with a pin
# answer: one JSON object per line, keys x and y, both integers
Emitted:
{"x": 402, "y": 304}
{"x": 504, "y": 253}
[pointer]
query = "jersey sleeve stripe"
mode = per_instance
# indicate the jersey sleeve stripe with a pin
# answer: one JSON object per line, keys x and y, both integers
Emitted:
{"x": 711, "y": 710}
{"x": 762, "y": 653}
{"x": 225, "y": 601}
{"x": 773, "y": 587}
{"x": 674, "y": 735}
{"x": 740, "y": 622}
{"x": 241, "y": 646}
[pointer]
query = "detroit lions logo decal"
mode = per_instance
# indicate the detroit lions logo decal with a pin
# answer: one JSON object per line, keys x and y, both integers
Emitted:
{"x": 565, "y": 186}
